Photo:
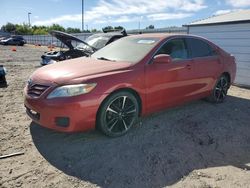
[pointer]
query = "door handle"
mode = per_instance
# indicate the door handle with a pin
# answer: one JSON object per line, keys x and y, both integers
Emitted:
{"x": 188, "y": 66}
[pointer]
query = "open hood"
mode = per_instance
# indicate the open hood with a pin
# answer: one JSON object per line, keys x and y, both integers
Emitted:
{"x": 66, "y": 38}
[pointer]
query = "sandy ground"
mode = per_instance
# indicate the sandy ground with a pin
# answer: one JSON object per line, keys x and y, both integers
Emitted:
{"x": 195, "y": 145}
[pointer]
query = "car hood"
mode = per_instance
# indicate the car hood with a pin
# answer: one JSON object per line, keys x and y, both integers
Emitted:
{"x": 76, "y": 70}
{"x": 65, "y": 38}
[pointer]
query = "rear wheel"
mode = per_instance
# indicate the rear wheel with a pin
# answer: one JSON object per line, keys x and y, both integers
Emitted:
{"x": 118, "y": 113}
{"x": 220, "y": 90}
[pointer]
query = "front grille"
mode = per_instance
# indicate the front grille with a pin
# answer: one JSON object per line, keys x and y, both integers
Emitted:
{"x": 37, "y": 90}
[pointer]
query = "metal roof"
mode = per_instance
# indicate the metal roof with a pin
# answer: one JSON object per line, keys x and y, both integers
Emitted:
{"x": 240, "y": 16}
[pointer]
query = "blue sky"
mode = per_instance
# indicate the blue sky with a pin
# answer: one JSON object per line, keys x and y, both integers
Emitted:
{"x": 128, "y": 13}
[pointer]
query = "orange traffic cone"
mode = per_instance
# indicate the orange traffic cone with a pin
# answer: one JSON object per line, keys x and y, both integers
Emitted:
{"x": 13, "y": 49}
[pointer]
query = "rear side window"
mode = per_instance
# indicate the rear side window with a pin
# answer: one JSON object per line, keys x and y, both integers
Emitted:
{"x": 176, "y": 48}
{"x": 200, "y": 48}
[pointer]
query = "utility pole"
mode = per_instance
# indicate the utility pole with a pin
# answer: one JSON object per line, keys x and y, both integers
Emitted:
{"x": 82, "y": 15}
{"x": 29, "y": 13}
{"x": 139, "y": 24}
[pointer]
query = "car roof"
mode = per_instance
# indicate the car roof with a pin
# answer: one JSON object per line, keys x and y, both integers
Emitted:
{"x": 17, "y": 36}
{"x": 108, "y": 34}
{"x": 162, "y": 36}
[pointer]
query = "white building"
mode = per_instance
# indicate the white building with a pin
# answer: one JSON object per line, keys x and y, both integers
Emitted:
{"x": 231, "y": 32}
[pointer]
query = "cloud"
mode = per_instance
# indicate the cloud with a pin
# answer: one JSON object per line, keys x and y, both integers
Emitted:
{"x": 166, "y": 16}
{"x": 220, "y": 12}
{"x": 121, "y": 19}
{"x": 60, "y": 19}
{"x": 118, "y": 11}
{"x": 238, "y": 3}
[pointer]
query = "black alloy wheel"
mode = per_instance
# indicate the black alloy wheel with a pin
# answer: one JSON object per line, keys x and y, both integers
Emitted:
{"x": 220, "y": 90}
{"x": 118, "y": 114}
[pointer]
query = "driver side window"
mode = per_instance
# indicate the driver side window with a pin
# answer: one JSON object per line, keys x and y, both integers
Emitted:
{"x": 176, "y": 48}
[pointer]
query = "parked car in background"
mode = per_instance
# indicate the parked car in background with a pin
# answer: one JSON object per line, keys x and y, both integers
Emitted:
{"x": 13, "y": 40}
{"x": 3, "y": 82}
{"x": 76, "y": 47}
{"x": 131, "y": 77}
{"x": 3, "y": 37}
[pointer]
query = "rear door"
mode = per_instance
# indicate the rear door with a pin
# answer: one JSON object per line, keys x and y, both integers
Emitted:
{"x": 170, "y": 83}
{"x": 207, "y": 65}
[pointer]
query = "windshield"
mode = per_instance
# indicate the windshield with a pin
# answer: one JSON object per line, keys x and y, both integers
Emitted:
{"x": 95, "y": 41}
{"x": 128, "y": 49}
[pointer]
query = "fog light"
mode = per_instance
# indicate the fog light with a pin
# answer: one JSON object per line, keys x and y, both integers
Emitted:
{"x": 62, "y": 121}
{"x": 33, "y": 114}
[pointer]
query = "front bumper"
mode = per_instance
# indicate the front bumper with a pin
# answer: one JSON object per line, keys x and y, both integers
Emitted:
{"x": 78, "y": 112}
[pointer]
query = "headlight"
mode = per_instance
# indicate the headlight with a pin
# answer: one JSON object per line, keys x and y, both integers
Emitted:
{"x": 71, "y": 90}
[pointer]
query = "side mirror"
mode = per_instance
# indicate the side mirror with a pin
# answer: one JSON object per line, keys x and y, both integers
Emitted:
{"x": 162, "y": 59}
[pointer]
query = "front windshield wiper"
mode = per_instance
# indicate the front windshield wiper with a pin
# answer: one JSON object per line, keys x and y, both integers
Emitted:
{"x": 104, "y": 58}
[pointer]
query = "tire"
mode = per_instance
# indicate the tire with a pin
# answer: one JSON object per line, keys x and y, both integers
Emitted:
{"x": 118, "y": 113}
{"x": 20, "y": 44}
{"x": 219, "y": 92}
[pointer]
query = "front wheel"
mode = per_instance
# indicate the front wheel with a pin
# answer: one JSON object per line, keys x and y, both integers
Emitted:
{"x": 220, "y": 90}
{"x": 118, "y": 113}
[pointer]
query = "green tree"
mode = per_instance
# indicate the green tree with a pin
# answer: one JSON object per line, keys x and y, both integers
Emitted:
{"x": 107, "y": 28}
{"x": 93, "y": 30}
{"x": 9, "y": 27}
{"x": 56, "y": 27}
{"x": 73, "y": 30}
{"x": 118, "y": 28}
{"x": 150, "y": 27}
{"x": 40, "y": 31}
{"x": 23, "y": 29}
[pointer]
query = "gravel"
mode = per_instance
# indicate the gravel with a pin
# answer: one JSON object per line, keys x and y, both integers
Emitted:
{"x": 198, "y": 144}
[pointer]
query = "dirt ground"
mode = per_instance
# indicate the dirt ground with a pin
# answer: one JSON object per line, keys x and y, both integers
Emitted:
{"x": 195, "y": 145}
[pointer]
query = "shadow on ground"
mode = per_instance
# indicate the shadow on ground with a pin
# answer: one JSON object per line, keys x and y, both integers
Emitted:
{"x": 159, "y": 151}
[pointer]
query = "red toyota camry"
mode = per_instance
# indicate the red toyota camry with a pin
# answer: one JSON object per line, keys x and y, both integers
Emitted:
{"x": 131, "y": 77}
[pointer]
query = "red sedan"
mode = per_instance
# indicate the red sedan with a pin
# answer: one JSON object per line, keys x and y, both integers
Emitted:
{"x": 131, "y": 77}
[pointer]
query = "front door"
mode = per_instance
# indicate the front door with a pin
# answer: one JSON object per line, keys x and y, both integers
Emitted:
{"x": 171, "y": 83}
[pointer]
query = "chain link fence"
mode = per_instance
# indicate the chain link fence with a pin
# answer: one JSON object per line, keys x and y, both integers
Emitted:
{"x": 46, "y": 40}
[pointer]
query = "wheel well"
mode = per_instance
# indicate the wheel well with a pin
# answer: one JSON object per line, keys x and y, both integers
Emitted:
{"x": 228, "y": 76}
{"x": 128, "y": 90}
